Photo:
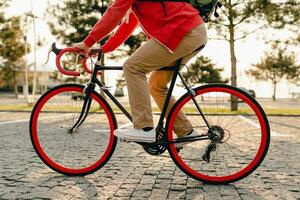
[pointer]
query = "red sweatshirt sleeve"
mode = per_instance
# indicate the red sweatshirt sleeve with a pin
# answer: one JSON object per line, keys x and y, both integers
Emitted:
{"x": 108, "y": 21}
{"x": 122, "y": 34}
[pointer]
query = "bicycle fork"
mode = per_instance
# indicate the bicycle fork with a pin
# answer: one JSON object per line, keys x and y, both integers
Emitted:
{"x": 85, "y": 108}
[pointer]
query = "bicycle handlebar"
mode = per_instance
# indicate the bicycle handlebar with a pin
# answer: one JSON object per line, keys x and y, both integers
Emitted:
{"x": 60, "y": 52}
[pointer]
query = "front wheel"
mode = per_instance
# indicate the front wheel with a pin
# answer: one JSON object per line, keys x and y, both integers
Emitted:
{"x": 236, "y": 143}
{"x": 82, "y": 150}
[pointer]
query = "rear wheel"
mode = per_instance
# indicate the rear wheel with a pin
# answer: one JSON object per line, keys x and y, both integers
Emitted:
{"x": 78, "y": 152}
{"x": 238, "y": 140}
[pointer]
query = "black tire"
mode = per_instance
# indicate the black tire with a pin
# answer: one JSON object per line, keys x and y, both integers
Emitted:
{"x": 54, "y": 113}
{"x": 235, "y": 157}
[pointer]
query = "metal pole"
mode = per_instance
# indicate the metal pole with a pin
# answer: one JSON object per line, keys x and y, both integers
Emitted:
{"x": 34, "y": 48}
{"x": 26, "y": 96}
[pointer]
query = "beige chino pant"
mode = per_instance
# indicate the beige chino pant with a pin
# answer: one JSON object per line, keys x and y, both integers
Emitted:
{"x": 150, "y": 57}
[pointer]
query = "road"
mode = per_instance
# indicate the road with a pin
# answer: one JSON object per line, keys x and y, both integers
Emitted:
{"x": 133, "y": 174}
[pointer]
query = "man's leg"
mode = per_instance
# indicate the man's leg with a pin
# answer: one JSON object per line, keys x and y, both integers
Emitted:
{"x": 152, "y": 56}
{"x": 158, "y": 82}
{"x": 159, "y": 88}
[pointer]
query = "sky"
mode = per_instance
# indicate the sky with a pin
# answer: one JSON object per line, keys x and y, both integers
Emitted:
{"x": 248, "y": 51}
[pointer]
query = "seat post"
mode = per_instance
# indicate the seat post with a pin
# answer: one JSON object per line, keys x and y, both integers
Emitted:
{"x": 170, "y": 91}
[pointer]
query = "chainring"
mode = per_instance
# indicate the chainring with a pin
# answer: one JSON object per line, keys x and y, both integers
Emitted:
{"x": 156, "y": 149}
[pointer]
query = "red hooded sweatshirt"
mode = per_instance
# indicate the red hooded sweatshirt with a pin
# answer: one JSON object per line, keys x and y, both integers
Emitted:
{"x": 166, "y": 22}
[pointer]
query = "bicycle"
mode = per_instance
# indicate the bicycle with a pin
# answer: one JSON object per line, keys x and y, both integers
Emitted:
{"x": 76, "y": 137}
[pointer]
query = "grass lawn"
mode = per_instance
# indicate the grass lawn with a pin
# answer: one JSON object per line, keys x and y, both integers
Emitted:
{"x": 192, "y": 110}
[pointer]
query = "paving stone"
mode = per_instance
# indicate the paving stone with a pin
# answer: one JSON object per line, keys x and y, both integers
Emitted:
{"x": 124, "y": 193}
{"x": 139, "y": 198}
{"x": 162, "y": 184}
{"x": 250, "y": 197}
{"x": 212, "y": 196}
{"x": 148, "y": 180}
{"x": 178, "y": 187}
{"x": 129, "y": 180}
{"x": 158, "y": 194}
{"x": 231, "y": 198}
{"x": 120, "y": 198}
{"x": 9, "y": 195}
{"x": 128, "y": 186}
{"x": 144, "y": 187}
{"x": 173, "y": 194}
{"x": 141, "y": 193}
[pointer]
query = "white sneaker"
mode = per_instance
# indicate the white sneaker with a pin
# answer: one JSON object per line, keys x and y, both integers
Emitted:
{"x": 136, "y": 135}
{"x": 181, "y": 144}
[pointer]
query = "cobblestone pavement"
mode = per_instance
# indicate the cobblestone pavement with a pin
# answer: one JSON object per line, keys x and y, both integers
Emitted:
{"x": 133, "y": 174}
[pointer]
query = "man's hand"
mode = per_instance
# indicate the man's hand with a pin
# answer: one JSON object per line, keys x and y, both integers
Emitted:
{"x": 83, "y": 47}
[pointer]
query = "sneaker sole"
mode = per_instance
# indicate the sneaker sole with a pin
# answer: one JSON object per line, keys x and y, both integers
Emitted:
{"x": 133, "y": 139}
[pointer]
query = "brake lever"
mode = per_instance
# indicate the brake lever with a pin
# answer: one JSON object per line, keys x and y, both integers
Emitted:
{"x": 53, "y": 49}
{"x": 48, "y": 55}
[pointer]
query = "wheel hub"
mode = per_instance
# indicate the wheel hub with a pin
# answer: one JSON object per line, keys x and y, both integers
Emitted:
{"x": 216, "y": 134}
{"x": 73, "y": 132}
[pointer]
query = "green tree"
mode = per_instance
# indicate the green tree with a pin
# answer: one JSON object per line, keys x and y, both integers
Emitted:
{"x": 291, "y": 12}
{"x": 235, "y": 16}
{"x": 203, "y": 70}
{"x": 12, "y": 50}
{"x": 275, "y": 66}
{"x": 70, "y": 21}
{"x": 3, "y": 4}
{"x": 285, "y": 15}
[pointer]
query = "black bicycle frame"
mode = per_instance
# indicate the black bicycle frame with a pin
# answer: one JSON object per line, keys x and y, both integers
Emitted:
{"x": 160, "y": 126}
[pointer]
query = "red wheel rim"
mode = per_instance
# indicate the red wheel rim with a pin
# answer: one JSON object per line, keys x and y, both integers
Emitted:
{"x": 40, "y": 150}
{"x": 246, "y": 169}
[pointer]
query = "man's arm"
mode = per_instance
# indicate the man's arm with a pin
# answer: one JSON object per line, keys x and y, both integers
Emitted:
{"x": 108, "y": 21}
{"x": 122, "y": 34}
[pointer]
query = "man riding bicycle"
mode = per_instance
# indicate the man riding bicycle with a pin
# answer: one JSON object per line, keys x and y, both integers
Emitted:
{"x": 174, "y": 30}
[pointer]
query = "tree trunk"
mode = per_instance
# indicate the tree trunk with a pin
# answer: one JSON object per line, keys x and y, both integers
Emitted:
{"x": 16, "y": 90}
{"x": 234, "y": 105}
{"x": 233, "y": 58}
{"x": 15, "y": 84}
{"x": 274, "y": 91}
